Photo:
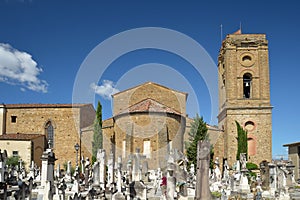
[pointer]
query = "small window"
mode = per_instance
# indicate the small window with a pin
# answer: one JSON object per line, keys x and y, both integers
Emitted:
{"x": 15, "y": 153}
{"x": 247, "y": 81}
{"x": 13, "y": 119}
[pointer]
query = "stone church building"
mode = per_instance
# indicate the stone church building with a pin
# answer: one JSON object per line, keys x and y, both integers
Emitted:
{"x": 151, "y": 119}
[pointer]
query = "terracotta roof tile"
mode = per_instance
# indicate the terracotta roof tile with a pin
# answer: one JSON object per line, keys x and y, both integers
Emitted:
{"x": 149, "y": 105}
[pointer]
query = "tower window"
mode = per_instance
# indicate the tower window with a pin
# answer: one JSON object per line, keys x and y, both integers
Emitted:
{"x": 247, "y": 80}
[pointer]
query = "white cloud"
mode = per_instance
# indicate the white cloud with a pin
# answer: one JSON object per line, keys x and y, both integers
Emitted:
{"x": 18, "y": 68}
{"x": 105, "y": 90}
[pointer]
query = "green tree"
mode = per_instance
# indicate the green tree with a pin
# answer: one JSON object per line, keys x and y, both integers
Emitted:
{"x": 197, "y": 132}
{"x": 242, "y": 140}
{"x": 97, "y": 136}
{"x": 14, "y": 161}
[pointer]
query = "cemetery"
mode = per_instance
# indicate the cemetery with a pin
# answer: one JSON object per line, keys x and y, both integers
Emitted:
{"x": 110, "y": 179}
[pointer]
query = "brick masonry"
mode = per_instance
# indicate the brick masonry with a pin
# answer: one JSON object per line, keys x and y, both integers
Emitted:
{"x": 241, "y": 54}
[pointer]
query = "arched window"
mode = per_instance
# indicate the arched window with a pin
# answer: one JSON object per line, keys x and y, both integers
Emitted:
{"x": 49, "y": 134}
{"x": 247, "y": 81}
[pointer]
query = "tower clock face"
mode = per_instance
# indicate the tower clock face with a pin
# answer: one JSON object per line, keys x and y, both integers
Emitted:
{"x": 247, "y": 59}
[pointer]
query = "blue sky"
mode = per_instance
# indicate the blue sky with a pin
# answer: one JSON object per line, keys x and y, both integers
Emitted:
{"x": 44, "y": 44}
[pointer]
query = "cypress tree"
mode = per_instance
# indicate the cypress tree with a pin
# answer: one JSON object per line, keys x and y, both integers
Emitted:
{"x": 197, "y": 132}
{"x": 242, "y": 140}
{"x": 97, "y": 136}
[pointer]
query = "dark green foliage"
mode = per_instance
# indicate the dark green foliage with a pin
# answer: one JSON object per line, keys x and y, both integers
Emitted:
{"x": 13, "y": 161}
{"x": 97, "y": 137}
{"x": 251, "y": 166}
{"x": 242, "y": 140}
{"x": 197, "y": 132}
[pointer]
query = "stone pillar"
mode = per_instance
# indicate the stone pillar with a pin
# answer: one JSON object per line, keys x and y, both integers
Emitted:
{"x": 48, "y": 160}
{"x": 202, "y": 178}
{"x": 119, "y": 183}
{"x": 87, "y": 172}
{"x": 162, "y": 139}
{"x": 96, "y": 174}
{"x": 110, "y": 170}
{"x": 101, "y": 156}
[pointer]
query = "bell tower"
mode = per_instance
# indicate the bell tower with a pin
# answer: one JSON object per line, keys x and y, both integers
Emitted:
{"x": 244, "y": 96}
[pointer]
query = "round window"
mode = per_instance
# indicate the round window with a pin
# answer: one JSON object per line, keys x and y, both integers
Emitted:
{"x": 249, "y": 126}
{"x": 247, "y": 59}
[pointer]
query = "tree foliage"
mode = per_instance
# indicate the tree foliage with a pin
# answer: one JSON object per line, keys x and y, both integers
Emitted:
{"x": 197, "y": 132}
{"x": 97, "y": 136}
{"x": 242, "y": 140}
{"x": 14, "y": 161}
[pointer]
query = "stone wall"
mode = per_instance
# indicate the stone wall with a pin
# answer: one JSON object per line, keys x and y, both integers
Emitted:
{"x": 65, "y": 118}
